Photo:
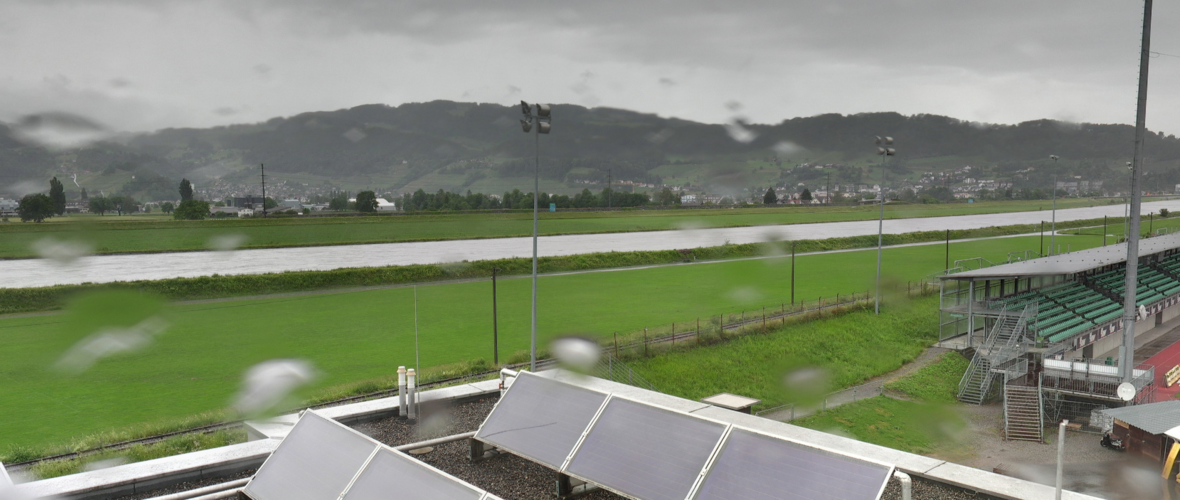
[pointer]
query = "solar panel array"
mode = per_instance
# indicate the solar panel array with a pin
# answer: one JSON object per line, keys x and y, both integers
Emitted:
{"x": 648, "y": 452}
{"x": 320, "y": 459}
{"x": 542, "y": 419}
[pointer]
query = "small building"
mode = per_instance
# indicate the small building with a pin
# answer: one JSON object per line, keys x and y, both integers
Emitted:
{"x": 8, "y": 207}
{"x": 1142, "y": 427}
{"x": 247, "y": 201}
{"x": 246, "y": 212}
{"x": 689, "y": 199}
{"x": 384, "y": 205}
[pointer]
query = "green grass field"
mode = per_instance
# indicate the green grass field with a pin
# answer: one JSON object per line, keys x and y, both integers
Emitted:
{"x": 154, "y": 233}
{"x": 196, "y": 366}
{"x": 847, "y": 349}
{"x": 925, "y": 423}
{"x": 937, "y": 382}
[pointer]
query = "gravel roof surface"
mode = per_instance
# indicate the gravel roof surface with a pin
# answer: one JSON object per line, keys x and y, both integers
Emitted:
{"x": 929, "y": 490}
{"x": 189, "y": 485}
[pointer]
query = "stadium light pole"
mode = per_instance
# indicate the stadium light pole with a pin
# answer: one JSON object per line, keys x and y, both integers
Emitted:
{"x": 539, "y": 122}
{"x": 1127, "y": 207}
{"x": 1127, "y": 350}
{"x": 1053, "y": 224}
{"x": 883, "y": 150}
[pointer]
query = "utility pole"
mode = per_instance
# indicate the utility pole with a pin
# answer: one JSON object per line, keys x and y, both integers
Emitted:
{"x": 263, "y": 167}
{"x": 1127, "y": 350}
{"x": 609, "y": 191}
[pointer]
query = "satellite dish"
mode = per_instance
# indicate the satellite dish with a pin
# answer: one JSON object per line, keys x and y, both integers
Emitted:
{"x": 1126, "y": 391}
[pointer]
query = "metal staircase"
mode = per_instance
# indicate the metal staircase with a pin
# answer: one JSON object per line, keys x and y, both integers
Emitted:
{"x": 1003, "y": 345}
{"x": 1023, "y": 419}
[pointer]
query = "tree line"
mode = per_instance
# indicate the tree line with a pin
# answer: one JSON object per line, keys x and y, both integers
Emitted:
{"x": 421, "y": 201}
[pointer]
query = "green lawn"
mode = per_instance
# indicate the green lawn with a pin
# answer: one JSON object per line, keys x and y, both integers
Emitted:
{"x": 153, "y": 233}
{"x": 926, "y": 423}
{"x": 937, "y": 382}
{"x": 846, "y": 350}
{"x": 903, "y": 425}
{"x": 350, "y": 337}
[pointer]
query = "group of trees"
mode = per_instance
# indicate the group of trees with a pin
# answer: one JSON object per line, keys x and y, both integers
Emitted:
{"x": 118, "y": 204}
{"x": 420, "y": 200}
{"x": 189, "y": 208}
{"x": 37, "y": 207}
{"x": 585, "y": 199}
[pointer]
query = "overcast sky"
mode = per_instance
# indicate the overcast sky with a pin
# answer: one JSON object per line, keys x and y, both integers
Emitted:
{"x": 146, "y": 64}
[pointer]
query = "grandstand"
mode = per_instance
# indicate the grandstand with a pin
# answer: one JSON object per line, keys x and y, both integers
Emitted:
{"x": 1043, "y": 329}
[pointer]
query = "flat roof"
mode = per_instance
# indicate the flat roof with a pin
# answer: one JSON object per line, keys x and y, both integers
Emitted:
{"x": 1153, "y": 418}
{"x": 1071, "y": 263}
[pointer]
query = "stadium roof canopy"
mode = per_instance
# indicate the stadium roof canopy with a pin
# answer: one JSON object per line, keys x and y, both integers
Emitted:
{"x": 1070, "y": 263}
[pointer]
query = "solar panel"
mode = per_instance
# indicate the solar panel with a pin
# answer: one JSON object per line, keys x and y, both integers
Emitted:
{"x": 316, "y": 461}
{"x": 755, "y": 466}
{"x": 644, "y": 451}
{"x": 541, "y": 419}
{"x": 390, "y": 471}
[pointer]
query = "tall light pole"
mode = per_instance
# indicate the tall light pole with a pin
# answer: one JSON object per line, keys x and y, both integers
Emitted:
{"x": 1127, "y": 350}
{"x": 1053, "y": 226}
{"x": 1127, "y": 207}
{"x": 883, "y": 150}
{"x": 540, "y": 122}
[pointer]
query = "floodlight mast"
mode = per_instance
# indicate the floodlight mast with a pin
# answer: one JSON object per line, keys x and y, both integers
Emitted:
{"x": 1127, "y": 350}
{"x": 541, "y": 123}
{"x": 883, "y": 151}
{"x": 1053, "y": 227}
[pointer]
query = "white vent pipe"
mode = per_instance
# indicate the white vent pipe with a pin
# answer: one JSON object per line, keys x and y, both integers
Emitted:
{"x": 401, "y": 391}
{"x": 412, "y": 400}
{"x": 907, "y": 485}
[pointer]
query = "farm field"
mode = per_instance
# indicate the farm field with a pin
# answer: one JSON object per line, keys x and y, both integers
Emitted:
{"x": 155, "y": 233}
{"x": 350, "y": 337}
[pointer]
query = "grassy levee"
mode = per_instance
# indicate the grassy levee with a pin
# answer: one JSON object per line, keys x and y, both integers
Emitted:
{"x": 922, "y": 423}
{"x": 843, "y": 350}
{"x": 133, "y": 234}
{"x": 1115, "y": 227}
{"x": 18, "y": 300}
{"x": 937, "y": 382}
